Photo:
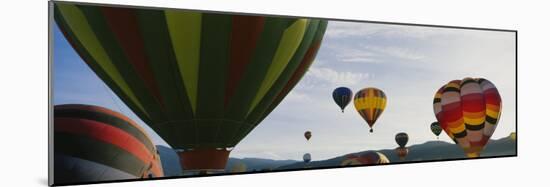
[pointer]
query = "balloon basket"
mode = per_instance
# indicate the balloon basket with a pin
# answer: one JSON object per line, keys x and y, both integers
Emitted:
{"x": 204, "y": 160}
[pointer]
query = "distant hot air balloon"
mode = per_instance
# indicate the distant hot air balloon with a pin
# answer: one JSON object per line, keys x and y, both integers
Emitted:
{"x": 468, "y": 111}
{"x": 307, "y": 157}
{"x": 342, "y": 96}
{"x": 202, "y": 81}
{"x": 97, "y": 144}
{"x": 402, "y": 152}
{"x": 370, "y": 103}
{"x": 513, "y": 135}
{"x": 436, "y": 129}
{"x": 238, "y": 168}
{"x": 307, "y": 134}
{"x": 366, "y": 158}
{"x": 401, "y": 139}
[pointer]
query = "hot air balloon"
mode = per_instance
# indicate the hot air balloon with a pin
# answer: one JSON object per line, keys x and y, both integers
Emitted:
{"x": 97, "y": 144}
{"x": 513, "y": 135}
{"x": 370, "y": 103}
{"x": 202, "y": 81}
{"x": 468, "y": 111}
{"x": 307, "y": 134}
{"x": 402, "y": 152}
{"x": 307, "y": 157}
{"x": 342, "y": 97}
{"x": 366, "y": 158}
{"x": 401, "y": 139}
{"x": 238, "y": 168}
{"x": 436, "y": 129}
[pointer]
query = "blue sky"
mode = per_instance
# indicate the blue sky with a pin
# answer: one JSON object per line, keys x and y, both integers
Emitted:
{"x": 408, "y": 63}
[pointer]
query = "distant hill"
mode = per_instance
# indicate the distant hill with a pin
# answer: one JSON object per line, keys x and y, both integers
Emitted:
{"x": 428, "y": 151}
{"x": 171, "y": 164}
{"x": 258, "y": 164}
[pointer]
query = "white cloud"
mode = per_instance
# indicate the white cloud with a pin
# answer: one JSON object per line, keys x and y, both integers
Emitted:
{"x": 338, "y": 29}
{"x": 295, "y": 96}
{"x": 395, "y": 52}
{"x": 330, "y": 76}
{"x": 375, "y": 54}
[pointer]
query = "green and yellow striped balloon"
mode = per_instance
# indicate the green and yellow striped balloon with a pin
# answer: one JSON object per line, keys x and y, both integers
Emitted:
{"x": 202, "y": 81}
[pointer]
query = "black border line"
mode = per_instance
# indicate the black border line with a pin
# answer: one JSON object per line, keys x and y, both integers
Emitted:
{"x": 50, "y": 91}
{"x": 50, "y": 95}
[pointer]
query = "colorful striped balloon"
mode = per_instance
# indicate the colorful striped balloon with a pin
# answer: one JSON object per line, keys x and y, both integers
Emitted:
{"x": 370, "y": 103}
{"x": 366, "y": 158}
{"x": 93, "y": 144}
{"x": 202, "y": 81}
{"x": 468, "y": 111}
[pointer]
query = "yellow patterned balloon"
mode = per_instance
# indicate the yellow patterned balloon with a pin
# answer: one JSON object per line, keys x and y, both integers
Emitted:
{"x": 370, "y": 103}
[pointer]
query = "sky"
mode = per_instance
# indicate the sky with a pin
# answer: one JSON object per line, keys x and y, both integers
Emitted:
{"x": 409, "y": 63}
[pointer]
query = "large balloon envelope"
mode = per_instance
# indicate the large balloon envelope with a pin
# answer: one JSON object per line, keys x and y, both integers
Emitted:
{"x": 401, "y": 139}
{"x": 468, "y": 110}
{"x": 342, "y": 96}
{"x": 370, "y": 103}
{"x": 436, "y": 128}
{"x": 97, "y": 144}
{"x": 202, "y": 81}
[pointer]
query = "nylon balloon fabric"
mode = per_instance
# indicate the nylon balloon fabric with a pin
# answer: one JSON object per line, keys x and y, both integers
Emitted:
{"x": 468, "y": 110}
{"x": 370, "y": 103}
{"x": 202, "y": 81}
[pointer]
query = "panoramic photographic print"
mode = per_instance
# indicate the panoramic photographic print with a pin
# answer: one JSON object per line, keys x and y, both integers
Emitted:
{"x": 149, "y": 93}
